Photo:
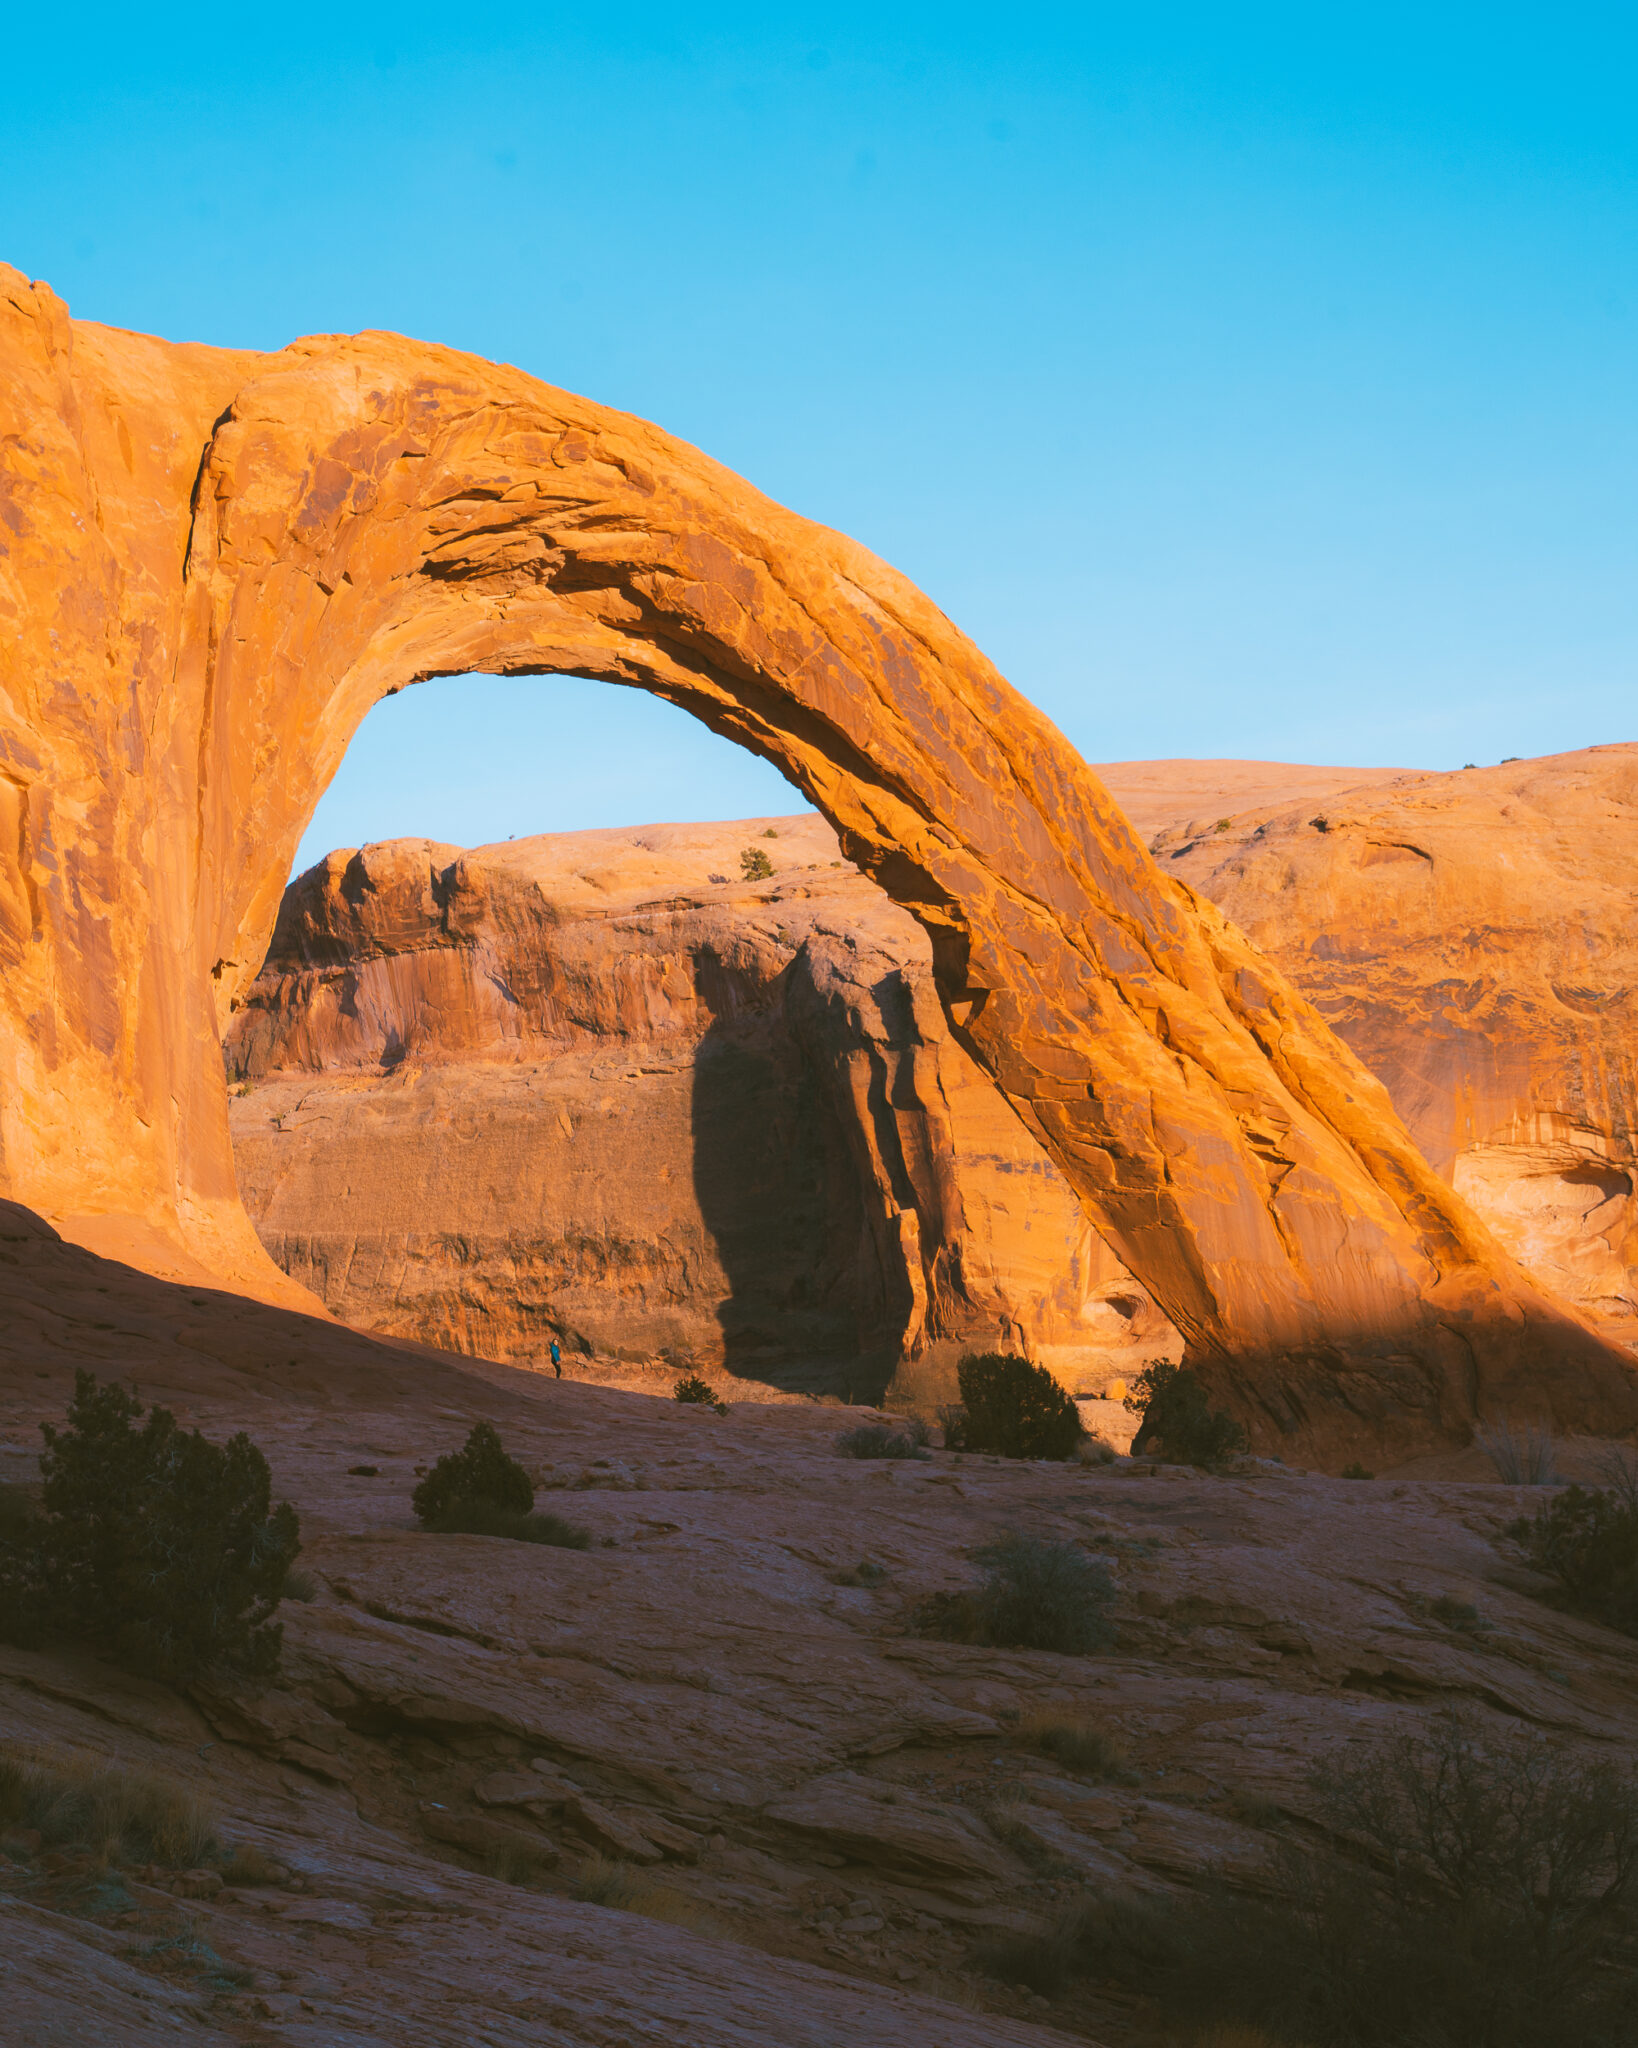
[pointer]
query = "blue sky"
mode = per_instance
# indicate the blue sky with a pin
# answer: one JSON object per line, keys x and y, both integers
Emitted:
{"x": 1251, "y": 381}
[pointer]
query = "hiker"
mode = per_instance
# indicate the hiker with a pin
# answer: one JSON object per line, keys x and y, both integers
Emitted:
{"x": 557, "y": 1358}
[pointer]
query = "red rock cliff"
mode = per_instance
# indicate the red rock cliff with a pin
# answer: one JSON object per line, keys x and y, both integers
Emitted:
{"x": 216, "y": 562}
{"x": 1474, "y": 938}
{"x": 597, "y": 1086}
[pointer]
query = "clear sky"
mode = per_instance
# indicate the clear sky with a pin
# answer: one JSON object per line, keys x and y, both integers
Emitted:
{"x": 1246, "y": 380}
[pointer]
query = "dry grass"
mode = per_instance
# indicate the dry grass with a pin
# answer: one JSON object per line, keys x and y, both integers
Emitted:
{"x": 602, "y": 1882}
{"x": 87, "y": 1806}
{"x": 1079, "y": 1745}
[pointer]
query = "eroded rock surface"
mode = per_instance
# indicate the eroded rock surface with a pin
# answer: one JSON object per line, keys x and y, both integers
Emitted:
{"x": 217, "y": 562}
{"x": 599, "y": 1087}
{"x": 812, "y": 1813}
{"x": 1474, "y": 938}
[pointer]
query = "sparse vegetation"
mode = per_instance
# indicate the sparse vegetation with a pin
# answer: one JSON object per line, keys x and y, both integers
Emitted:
{"x": 695, "y": 1392}
{"x": 1356, "y": 1471}
{"x": 479, "y": 1473}
{"x": 1179, "y": 1425}
{"x": 1487, "y": 1902}
{"x": 754, "y": 865}
{"x": 1522, "y": 1457}
{"x": 1587, "y": 1539}
{"x": 88, "y": 1807}
{"x": 1078, "y": 1745}
{"x": 604, "y": 1883}
{"x": 480, "y": 1491}
{"x": 1011, "y": 1409}
{"x": 877, "y": 1440}
{"x": 156, "y": 1546}
{"x": 1036, "y": 1594}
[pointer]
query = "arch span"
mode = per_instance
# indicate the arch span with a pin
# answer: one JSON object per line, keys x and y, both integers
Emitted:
{"x": 220, "y": 561}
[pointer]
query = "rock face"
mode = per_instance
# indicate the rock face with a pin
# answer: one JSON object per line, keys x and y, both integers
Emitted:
{"x": 597, "y": 1086}
{"x": 216, "y": 562}
{"x": 1474, "y": 938}
{"x": 837, "y": 1810}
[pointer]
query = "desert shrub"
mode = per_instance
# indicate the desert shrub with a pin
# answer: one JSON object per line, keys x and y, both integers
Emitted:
{"x": 1495, "y": 1911}
{"x": 479, "y": 1472}
{"x": 156, "y": 1546}
{"x": 1011, "y": 1409}
{"x": 88, "y": 1806}
{"x": 1042, "y": 1961}
{"x": 1522, "y": 1457}
{"x": 1179, "y": 1424}
{"x": 1587, "y": 1539}
{"x": 1356, "y": 1471}
{"x": 695, "y": 1392}
{"x": 248, "y": 1865}
{"x": 1092, "y": 1450}
{"x": 1036, "y": 1594}
{"x": 1078, "y": 1745}
{"x": 467, "y": 1517}
{"x": 876, "y": 1440}
{"x": 754, "y": 864}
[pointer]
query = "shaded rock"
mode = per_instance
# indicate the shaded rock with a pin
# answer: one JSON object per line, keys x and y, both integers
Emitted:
{"x": 893, "y": 1829}
{"x": 480, "y": 1836}
{"x": 725, "y": 1121}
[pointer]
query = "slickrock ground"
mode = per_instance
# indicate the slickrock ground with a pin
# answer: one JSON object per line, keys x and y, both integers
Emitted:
{"x": 1474, "y": 938}
{"x": 825, "y": 1810}
{"x": 1188, "y": 797}
{"x": 597, "y": 1086}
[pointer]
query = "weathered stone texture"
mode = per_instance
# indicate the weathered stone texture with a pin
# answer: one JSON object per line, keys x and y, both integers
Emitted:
{"x": 1474, "y": 938}
{"x": 217, "y": 562}
{"x": 596, "y": 1086}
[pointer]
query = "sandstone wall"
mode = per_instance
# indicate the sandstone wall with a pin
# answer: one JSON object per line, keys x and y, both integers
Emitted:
{"x": 215, "y": 563}
{"x": 597, "y": 1086}
{"x": 1474, "y": 938}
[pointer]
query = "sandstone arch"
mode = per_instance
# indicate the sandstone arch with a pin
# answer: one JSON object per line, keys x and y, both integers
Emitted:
{"x": 217, "y": 561}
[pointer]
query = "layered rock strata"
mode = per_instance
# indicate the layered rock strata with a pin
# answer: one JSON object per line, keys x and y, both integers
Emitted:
{"x": 217, "y": 562}
{"x": 1474, "y": 938}
{"x": 601, "y": 1088}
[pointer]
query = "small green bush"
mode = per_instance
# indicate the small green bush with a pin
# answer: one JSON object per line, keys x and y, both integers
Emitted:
{"x": 159, "y": 1548}
{"x": 479, "y": 1471}
{"x": 1587, "y": 1539}
{"x": 1036, "y": 1595}
{"x": 754, "y": 865}
{"x": 1356, "y": 1471}
{"x": 483, "y": 1518}
{"x": 1011, "y": 1409}
{"x": 1179, "y": 1425}
{"x": 695, "y": 1392}
{"x": 876, "y": 1440}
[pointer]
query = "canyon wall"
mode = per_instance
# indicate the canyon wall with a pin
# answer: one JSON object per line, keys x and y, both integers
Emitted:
{"x": 602, "y": 1088}
{"x": 1474, "y": 938}
{"x": 216, "y": 562}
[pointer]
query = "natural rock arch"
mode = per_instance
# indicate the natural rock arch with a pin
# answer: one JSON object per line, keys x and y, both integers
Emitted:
{"x": 218, "y": 561}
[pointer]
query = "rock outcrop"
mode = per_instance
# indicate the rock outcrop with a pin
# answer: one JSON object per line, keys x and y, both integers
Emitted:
{"x": 600, "y": 1087}
{"x": 216, "y": 562}
{"x": 820, "y": 1814}
{"x": 1474, "y": 938}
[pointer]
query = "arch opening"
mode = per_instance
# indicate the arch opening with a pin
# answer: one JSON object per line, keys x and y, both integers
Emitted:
{"x": 236, "y": 555}
{"x": 614, "y": 1088}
